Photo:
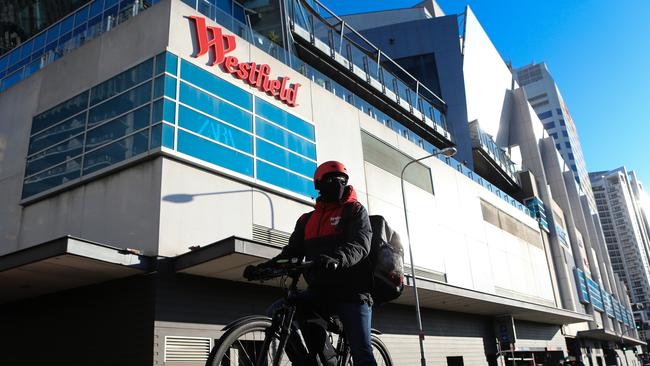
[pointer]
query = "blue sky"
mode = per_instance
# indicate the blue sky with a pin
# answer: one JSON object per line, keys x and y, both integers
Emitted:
{"x": 598, "y": 53}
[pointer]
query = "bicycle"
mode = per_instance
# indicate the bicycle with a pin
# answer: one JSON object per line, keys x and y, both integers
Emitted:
{"x": 262, "y": 341}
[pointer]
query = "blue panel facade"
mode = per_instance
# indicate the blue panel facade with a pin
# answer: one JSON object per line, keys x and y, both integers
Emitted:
{"x": 140, "y": 109}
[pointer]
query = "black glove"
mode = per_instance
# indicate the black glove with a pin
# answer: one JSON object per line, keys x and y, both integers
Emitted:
{"x": 327, "y": 263}
{"x": 250, "y": 272}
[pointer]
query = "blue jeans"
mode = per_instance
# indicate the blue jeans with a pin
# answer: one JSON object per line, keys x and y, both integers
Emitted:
{"x": 355, "y": 316}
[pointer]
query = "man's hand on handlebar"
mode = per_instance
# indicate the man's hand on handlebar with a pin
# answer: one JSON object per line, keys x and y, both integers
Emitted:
{"x": 275, "y": 268}
{"x": 327, "y": 264}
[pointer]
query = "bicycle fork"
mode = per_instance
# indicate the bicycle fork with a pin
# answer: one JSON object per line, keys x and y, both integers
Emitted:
{"x": 280, "y": 329}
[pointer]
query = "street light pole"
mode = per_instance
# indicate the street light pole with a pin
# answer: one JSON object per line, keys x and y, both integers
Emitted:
{"x": 450, "y": 151}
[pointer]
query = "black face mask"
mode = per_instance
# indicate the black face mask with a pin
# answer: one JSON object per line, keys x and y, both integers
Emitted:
{"x": 331, "y": 190}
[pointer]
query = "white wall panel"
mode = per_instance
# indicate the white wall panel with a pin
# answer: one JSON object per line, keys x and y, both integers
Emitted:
{"x": 219, "y": 208}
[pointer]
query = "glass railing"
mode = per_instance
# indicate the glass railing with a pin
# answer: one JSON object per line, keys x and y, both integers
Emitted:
{"x": 536, "y": 207}
{"x": 328, "y": 33}
{"x": 83, "y": 25}
{"x": 485, "y": 142}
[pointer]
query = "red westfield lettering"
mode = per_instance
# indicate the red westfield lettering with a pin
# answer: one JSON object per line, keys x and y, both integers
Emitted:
{"x": 249, "y": 72}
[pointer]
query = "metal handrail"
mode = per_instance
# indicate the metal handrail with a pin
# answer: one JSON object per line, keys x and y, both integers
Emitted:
{"x": 374, "y": 48}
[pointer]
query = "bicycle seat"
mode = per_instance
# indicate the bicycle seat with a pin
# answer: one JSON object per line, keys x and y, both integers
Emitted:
{"x": 334, "y": 324}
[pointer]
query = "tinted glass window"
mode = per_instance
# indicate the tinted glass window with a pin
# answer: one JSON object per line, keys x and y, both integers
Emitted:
{"x": 284, "y": 119}
{"x": 214, "y": 153}
{"x": 116, "y": 152}
{"x": 60, "y": 112}
{"x": 285, "y": 179}
{"x": 51, "y": 178}
{"x": 545, "y": 115}
{"x": 215, "y": 85}
{"x": 118, "y": 127}
{"x": 284, "y": 158}
{"x": 121, "y": 82}
{"x": 214, "y": 129}
{"x": 120, "y": 104}
{"x": 54, "y": 155}
{"x": 58, "y": 133}
{"x": 214, "y": 107}
{"x": 285, "y": 139}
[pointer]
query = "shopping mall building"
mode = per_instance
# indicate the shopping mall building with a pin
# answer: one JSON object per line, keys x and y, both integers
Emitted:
{"x": 149, "y": 152}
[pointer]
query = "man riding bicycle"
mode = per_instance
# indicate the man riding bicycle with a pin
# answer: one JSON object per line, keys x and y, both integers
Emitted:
{"x": 336, "y": 236}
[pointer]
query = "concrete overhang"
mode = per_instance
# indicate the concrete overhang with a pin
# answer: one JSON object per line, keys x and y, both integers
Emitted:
{"x": 63, "y": 264}
{"x": 608, "y": 335}
{"x": 226, "y": 259}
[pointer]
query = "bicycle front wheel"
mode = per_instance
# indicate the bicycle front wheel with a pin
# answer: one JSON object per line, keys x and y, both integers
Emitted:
{"x": 380, "y": 351}
{"x": 244, "y": 345}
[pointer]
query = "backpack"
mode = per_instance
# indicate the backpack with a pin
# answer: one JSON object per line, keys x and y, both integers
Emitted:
{"x": 386, "y": 260}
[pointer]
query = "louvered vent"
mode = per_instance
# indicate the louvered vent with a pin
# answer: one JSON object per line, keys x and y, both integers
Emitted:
{"x": 270, "y": 236}
{"x": 187, "y": 348}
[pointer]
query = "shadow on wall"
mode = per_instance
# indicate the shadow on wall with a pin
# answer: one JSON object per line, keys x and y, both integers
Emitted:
{"x": 187, "y": 197}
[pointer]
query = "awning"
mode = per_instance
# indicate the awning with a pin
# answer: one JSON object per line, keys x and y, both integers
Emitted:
{"x": 62, "y": 264}
{"x": 608, "y": 335}
{"x": 440, "y": 295}
{"x": 226, "y": 259}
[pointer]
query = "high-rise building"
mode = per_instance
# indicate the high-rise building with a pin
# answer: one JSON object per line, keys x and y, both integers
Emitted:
{"x": 544, "y": 96}
{"x": 618, "y": 195}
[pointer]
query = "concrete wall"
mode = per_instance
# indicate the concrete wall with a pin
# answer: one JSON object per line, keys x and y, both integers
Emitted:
{"x": 487, "y": 81}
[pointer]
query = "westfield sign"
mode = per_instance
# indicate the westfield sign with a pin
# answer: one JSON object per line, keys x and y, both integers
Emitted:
{"x": 211, "y": 38}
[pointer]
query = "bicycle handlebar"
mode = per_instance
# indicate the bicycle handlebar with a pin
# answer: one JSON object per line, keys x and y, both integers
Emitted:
{"x": 282, "y": 267}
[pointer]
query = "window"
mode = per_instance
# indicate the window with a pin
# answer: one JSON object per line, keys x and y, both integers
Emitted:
{"x": 562, "y": 123}
{"x": 215, "y": 107}
{"x": 211, "y": 152}
{"x": 215, "y": 85}
{"x": 565, "y": 134}
{"x": 558, "y": 111}
{"x": 545, "y": 115}
{"x": 553, "y": 135}
{"x": 537, "y": 97}
{"x": 573, "y": 167}
{"x": 549, "y": 125}
{"x": 275, "y": 134}
{"x": 455, "y": 361}
{"x": 115, "y": 128}
{"x": 567, "y": 144}
{"x": 121, "y": 82}
{"x": 285, "y": 158}
{"x": 571, "y": 156}
{"x": 557, "y": 146}
{"x": 284, "y": 119}
{"x": 214, "y": 129}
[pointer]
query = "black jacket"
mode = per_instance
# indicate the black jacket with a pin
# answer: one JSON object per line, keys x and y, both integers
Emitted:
{"x": 342, "y": 231}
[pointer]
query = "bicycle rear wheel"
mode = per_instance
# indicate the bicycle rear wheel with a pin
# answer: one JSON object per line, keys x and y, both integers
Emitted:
{"x": 244, "y": 345}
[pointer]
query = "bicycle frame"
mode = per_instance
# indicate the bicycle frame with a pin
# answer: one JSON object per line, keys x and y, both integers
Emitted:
{"x": 281, "y": 328}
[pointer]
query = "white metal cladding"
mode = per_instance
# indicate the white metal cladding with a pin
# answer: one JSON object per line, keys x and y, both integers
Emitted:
{"x": 187, "y": 348}
{"x": 271, "y": 236}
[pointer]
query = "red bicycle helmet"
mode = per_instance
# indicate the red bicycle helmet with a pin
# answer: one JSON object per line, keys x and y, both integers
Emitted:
{"x": 328, "y": 167}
